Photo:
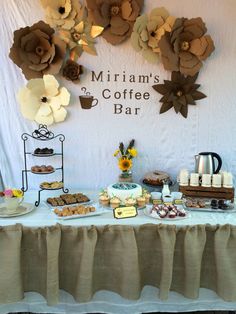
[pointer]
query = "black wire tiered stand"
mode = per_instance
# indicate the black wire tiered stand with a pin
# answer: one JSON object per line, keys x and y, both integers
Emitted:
{"x": 42, "y": 134}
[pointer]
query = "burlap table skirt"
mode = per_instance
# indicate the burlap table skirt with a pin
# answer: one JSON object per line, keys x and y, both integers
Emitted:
{"x": 123, "y": 259}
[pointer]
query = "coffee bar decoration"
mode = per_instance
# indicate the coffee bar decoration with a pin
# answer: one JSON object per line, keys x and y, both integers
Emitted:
{"x": 207, "y": 180}
{"x": 178, "y": 93}
{"x": 87, "y": 101}
{"x": 125, "y": 156}
{"x": 43, "y": 100}
{"x": 43, "y": 135}
{"x": 181, "y": 44}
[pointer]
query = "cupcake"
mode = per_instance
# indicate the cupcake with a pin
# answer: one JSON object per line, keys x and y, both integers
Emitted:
{"x": 114, "y": 202}
{"x": 147, "y": 196}
{"x": 141, "y": 201}
{"x": 104, "y": 200}
{"x": 130, "y": 201}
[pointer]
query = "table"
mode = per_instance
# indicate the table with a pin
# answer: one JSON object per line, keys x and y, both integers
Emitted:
{"x": 140, "y": 227}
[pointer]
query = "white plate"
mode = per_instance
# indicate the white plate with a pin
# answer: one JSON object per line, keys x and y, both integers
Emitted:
{"x": 211, "y": 210}
{"x": 22, "y": 209}
{"x": 99, "y": 211}
{"x": 147, "y": 212}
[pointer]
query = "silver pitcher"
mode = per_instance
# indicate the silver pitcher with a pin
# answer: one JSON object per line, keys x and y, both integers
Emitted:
{"x": 205, "y": 163}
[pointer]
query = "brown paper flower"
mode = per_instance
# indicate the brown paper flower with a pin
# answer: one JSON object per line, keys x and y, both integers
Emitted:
{"x": 82, "y": 36}
{"x": 116, "y": 16}
{"x": 186, "y": 46}
{"x": 61, "y": 13}
{"x": 72, "y": 71}
{"x": 148, "y": 31}
{"x": 180, "y": 92}
{"x": 37, "y": 51}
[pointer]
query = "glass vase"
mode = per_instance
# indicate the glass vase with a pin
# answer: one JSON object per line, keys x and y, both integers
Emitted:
{"x": 126, "y": 176}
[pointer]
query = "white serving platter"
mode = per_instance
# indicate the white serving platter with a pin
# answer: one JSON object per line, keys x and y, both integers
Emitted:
{"x": 147, "y": 211}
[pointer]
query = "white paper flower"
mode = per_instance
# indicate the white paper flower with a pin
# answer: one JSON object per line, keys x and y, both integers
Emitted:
{"x": 43, "y": 101}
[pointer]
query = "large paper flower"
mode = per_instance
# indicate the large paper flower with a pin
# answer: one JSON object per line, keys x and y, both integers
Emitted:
{"x": 116, "y": 16}
{"x": 37, "y": 51}
{"x": 61, "y": 13}
{"x": 81, "y": 37}
{"x": 186, "y": 46}
{"x": 148, "y": 31}
{"x": 180, "y": 92}
{"x": 43, "y": 101}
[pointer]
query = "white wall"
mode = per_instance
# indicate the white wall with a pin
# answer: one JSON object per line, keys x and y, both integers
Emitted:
{"x": 165, "y": 142}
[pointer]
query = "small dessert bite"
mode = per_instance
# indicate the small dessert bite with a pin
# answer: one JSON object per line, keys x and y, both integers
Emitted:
{"x": 172, "y": 214}
{"x": 162, "y": 213}
{"x": 115, "y": 202}
{"x": 141, "y": 201}
{"x": 181, "y": 212}
{"x": 130, "y": 201}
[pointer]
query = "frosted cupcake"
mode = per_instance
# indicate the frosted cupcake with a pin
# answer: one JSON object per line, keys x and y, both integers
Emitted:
{"x": 114, "y": 202}
{"x": 130, "y": 201}
{"x": 147, "y": 196}
{"x": 104, "y": 200}
{"x": 141, "y": 201}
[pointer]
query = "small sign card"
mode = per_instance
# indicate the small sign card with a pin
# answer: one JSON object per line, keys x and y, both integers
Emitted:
{"x": 125, "y": 212}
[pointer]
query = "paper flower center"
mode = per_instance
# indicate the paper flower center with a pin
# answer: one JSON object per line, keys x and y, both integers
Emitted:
{"x": 185, "y": 45}
{"x": 115, "y": 10}
{"x": 179, "y": 93}
{"x": 153, "y": 34}
{"x": 76, "y": 36}
{"x": 61, "y": 10}
{"x": 39, "y": 51}
{"x": 44, "y": 99}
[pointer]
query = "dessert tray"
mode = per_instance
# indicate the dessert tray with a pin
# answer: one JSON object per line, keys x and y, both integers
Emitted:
{"x": 153, "y": 212}
{"x": 79, "y": 211}
{"x": 209, "y": 205}
{"x": 22, "y": 209}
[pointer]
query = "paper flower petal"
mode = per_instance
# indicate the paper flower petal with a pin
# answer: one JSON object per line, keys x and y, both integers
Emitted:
{"x": 51, "y": 85}
{"x": 60, "y": 115}
{"x": 29, "y": 103}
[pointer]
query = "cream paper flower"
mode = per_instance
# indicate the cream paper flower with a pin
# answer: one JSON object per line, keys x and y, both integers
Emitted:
{"x": 61, "y": 13}
{"x": 43, "y": 101}
{"x": 148, "y": 30}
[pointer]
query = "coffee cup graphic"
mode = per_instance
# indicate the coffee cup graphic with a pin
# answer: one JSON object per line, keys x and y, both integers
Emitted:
{"x": 88, "y": 101}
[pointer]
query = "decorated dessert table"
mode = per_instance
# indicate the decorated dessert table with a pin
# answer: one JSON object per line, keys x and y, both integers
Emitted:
{"x": 100, "y": 263}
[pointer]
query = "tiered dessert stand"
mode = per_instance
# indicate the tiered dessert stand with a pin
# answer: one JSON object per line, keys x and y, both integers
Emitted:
{"x": 42, "y": 134}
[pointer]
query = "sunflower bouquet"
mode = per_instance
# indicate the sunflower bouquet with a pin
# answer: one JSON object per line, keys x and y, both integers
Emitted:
{"x": 125, "y": 156}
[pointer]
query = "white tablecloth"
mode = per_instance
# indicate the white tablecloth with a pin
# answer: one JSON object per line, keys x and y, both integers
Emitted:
{"x": 43, "y": 216}
{"x": 106, "y": 301}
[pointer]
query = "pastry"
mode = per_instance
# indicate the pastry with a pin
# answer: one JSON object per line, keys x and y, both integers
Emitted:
{"x": 156, "y": 178}
{"x": 115, "y": 202}
{"x": 43, "y": 168}
{"x": 130, "y": 201}
{"x": 147, "y": 196}
{"x": 74, "y": 210}
{"x": 141, "y": 201}
{"x": 104, "y": 200}
{"x": 51, "y": 185}
{"x": 43, "y": 151}
{"x": 67, "y": 199}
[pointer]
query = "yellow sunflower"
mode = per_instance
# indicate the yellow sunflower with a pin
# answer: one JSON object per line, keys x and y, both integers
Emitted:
{"x": 125, "y": 164}
{"x": 133, "y": 152}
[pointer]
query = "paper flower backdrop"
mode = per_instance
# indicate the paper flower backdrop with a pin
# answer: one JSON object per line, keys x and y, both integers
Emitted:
{"x": 72, "y": 71}
{"x": 148, "y": 31}
{"x": 186, "y": 46}
{"x": 37, "y": 50}
{"x": 61, "y": 13}
{"x": 43, "y": 101}
{"x": 116, "y": 16}
{"x": 81, "y": 37}
{"x": 180, "y": 92}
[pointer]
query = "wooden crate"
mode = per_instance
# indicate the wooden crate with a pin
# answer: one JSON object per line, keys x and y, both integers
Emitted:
{"x": 210, "y": 192}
